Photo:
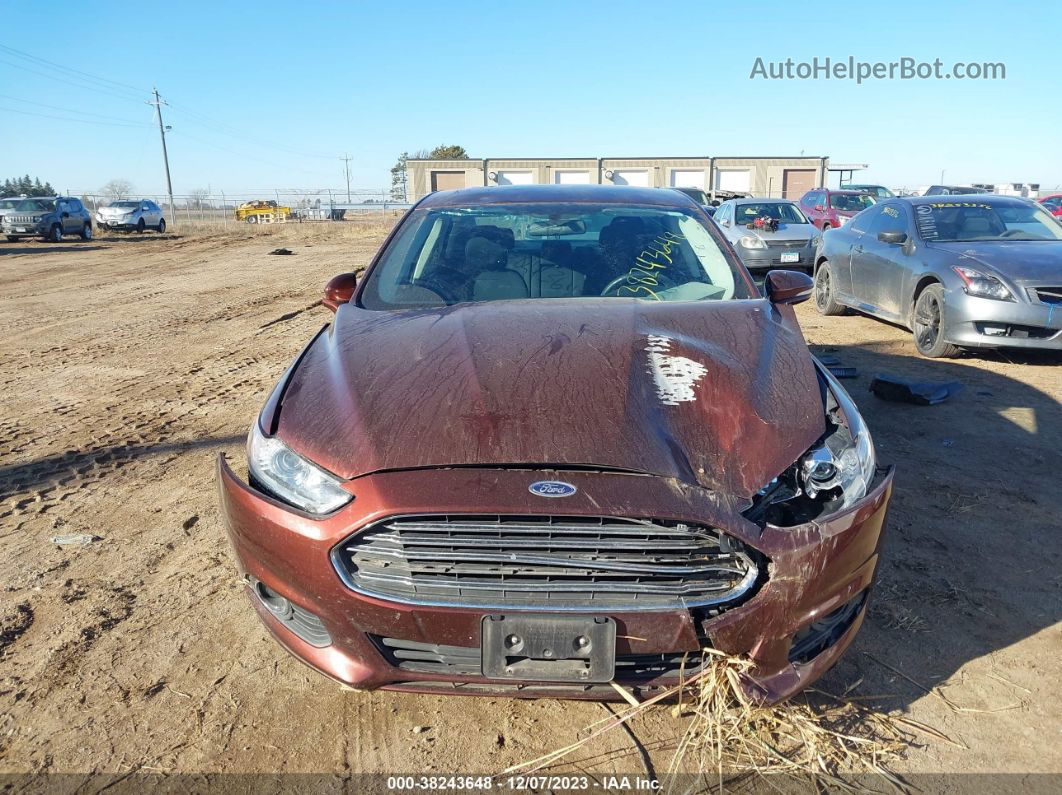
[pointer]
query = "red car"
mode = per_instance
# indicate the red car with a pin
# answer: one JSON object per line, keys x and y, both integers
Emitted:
{"x": 556, "y": 438}
{"x": 829, "y": 209}
{"x": 1053, "y": 204}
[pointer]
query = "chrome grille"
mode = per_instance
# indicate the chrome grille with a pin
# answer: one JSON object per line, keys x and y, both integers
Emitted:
{"x": 553, "y": 563}
{"x": 20, "y": 219}
{"x": 786, "y": 243}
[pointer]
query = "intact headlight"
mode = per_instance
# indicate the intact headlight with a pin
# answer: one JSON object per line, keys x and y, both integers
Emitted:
{"x": 752, "y": 241}
{"x": 982, "y": 285}
{"x": 845, "y": 461}
{"x": 291, "y": 477}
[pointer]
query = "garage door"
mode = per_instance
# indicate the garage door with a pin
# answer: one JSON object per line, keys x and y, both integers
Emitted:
{"x": 797, "y": 181}
{"x": 687, "y": 178}
{"x": 571, "y": 177}
{"x": 447, "y": 180}
{"x": 516, "y": 178}
{"x": 735, "y": 180}
{"x": 638, "y": 177}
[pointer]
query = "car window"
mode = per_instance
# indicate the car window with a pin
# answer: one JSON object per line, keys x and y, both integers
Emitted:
{"x": 75, "y": 205}
{"x": 968, "y": 221}
{"x": 453, "y": 255}
{"x": 890, "y": 219}
{"x": 862, "y": 221}
{"x": 723, "y": 213}
{"x": 783, "y": 212}
{"x": 849, "y": 202}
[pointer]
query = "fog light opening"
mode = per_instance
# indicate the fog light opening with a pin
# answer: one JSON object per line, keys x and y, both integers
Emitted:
{"x": 274, "y": 602}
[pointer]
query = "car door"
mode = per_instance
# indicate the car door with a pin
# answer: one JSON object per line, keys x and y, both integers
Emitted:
{"x": 856, "y": 232}
{"x": 66, "y": 219}
{"x": 808, "y": 203}
{"x": 877, "y": 266}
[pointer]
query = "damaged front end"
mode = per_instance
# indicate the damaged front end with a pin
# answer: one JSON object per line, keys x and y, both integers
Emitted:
{"x": 834, "y": 474}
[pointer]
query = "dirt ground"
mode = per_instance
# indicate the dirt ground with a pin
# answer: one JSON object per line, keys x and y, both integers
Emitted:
{"x": 128, "y": 363}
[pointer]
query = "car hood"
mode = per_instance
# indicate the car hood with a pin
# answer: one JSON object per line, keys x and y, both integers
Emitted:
{"x": 785, "y": 232}
{"x": 116, "y": 210}
{"x": 1024, "y": 262}
{"x": 723, "y": 395}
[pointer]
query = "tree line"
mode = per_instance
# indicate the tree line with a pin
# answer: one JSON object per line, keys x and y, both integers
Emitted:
{"x": 26, "y": 185}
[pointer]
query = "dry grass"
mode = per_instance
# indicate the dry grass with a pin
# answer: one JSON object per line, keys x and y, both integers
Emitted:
{"x": 728, "y": 739}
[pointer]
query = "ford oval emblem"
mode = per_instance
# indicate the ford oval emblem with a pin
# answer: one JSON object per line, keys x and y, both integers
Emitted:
{"x": 552, "y": 488}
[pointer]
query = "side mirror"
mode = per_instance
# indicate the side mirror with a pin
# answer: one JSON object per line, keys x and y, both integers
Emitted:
{"x": 787, "y": 287}
{"x": 893, "y": 236}
{"x": 339, "y": 290}
{"x": 725, "y": 222}
{"x": 818, "y": 208}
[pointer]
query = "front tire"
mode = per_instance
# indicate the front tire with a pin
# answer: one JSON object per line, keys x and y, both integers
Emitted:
{"x": 12, "y": 239}
{"x": 86, "y": 232}
{"x": 825, "y": 301}
{"x": 140, "y": 226}
{"x": 929, "y": 324}
{"x": 55, "y": 234}
{"x": 162, "y": 226}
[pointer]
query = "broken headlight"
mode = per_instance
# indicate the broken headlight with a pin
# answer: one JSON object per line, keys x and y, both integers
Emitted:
{"x": 285, "y": 474}
{"x": 842, "y": 467}
{"x": 831, "y": 476}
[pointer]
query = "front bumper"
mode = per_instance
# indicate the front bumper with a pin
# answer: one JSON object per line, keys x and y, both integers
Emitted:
{"x": 24, "y": 230}
{"x": 814, "y": 569}
{"x": 986, "y": 323}
{"x": 759, "y": 259}
{"x": 115, "y": 223}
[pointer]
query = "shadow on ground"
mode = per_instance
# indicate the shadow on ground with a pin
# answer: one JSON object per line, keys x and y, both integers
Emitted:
{"x": 973, "y": 549}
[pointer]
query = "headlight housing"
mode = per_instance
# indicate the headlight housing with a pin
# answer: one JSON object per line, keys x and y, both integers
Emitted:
{"x": 287, "y": 475}
{"x": 981, "y": 285}
{"x": 833, "y": 475}
{"x": 752, "y": 241}
{"x": 845, "y": 461}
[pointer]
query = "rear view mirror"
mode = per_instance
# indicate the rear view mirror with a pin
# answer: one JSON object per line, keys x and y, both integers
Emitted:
{"x": 339, "y": 290}
{"x": 787, "y": 287}
{"x": 893, "y": 236}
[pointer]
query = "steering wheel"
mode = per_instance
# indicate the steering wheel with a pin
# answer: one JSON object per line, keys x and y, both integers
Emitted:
{"x": 621, "y": 280}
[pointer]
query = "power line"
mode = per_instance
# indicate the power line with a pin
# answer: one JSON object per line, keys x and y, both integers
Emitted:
{"x": 83, "y": 121}
{"x": 70, "y": 69}
{"x": 70, "y": 110}
{"x": 83, "y": 85}
{"x": 228, "y": 129}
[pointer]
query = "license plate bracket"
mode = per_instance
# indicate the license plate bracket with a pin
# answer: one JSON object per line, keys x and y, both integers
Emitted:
{"x": 548, "y": 648}
{"x": 790, "y": 256}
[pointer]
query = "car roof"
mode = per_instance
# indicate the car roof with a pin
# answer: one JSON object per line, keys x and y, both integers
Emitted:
{"x": 557, "y": 194}
{"x": 989, "y": 198}
{"x": 844, "y": 190}
{"x": 754, "y": 200}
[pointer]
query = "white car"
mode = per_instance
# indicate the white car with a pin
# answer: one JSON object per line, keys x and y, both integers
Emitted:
{"x": 131, "y": 216}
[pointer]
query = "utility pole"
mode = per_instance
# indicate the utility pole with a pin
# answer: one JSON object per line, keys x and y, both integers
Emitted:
{"x": 158, "y": 103}
{"x": 346, "y": 170}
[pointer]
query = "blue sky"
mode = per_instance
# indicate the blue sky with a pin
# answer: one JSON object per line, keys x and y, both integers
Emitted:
{"x": 271, "y": 99}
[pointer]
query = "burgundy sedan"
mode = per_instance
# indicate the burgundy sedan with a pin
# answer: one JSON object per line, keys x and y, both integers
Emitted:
{"x": 830, "y": 209}
{"x": 555, "y": 438}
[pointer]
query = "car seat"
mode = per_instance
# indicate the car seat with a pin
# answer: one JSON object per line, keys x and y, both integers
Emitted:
{"x": 493, "y": 281}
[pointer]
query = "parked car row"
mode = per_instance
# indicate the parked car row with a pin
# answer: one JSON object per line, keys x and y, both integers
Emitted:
{"x": 978, "y": 270}
{"x": 960, "y": 271}
{"x": 53, "y": 217}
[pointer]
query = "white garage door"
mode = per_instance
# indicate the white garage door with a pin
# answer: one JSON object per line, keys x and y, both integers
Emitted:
{"x": 571, "y": 177}
{"x": 687, "y": 178}
{"x": 638, "y": 177}
{"x": 737, "y": 181}
{"x": 516, "y": 178}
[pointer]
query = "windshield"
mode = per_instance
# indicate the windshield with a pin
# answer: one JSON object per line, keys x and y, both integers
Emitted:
{"x": 503, "y": 252}
{"x": 35, "y": 205}
{"x": 850, "y": 202}
{"x": 124, "y": 204}
{"x": 957, "y": 221}
{"x": 8, "y": 204}
{"x": 696, "y": 194}
{"x": 782, "y": 212}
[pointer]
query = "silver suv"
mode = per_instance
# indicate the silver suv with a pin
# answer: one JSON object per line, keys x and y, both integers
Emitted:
{"x": 131, "y": 215}
{"x": 47, "y": 217}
